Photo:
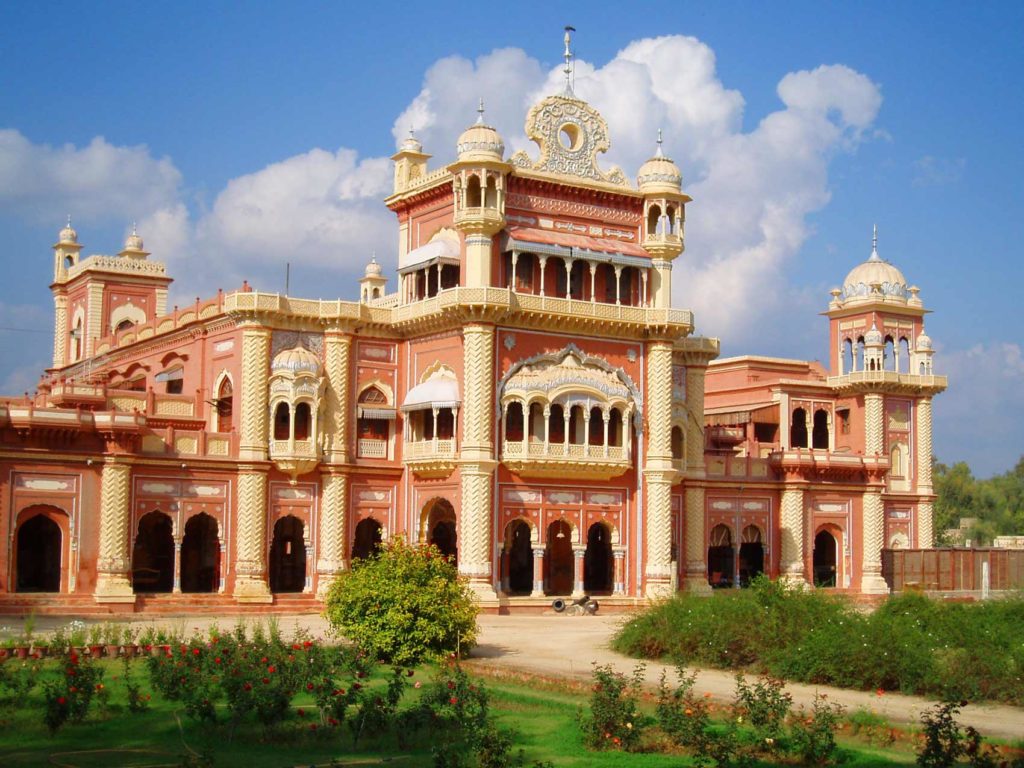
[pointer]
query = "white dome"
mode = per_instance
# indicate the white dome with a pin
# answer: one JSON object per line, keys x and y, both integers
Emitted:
{"x": 480, "y": 141}
{"x": 373, "y": 269}
{"x": 659, "y": 172}
{"x": 411, "y": 144}
{"x": 859, "y": 284}
{"x": 924, "y": 341}
{"x": 133, "y": 242}
{"x": 296, "y": 360}
{"x": 873, "y": 337}
{"x": 68, "y": 235}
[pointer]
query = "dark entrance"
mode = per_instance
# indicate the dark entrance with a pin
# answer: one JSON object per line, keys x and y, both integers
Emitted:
{"x": 598, "y": 562}
{"x": 558, "y": 564}
{"x": 825, "y": 555}
{"x": 288, "y": 556}
{"x": 720, "y": 557}
{"x": 441, "y": 525}
{"x": 368, "y": 539}
{"x": 153, "y": 555}
{"x": 200, "y": 555}
{"x": 751, "y": 554}
{"x": 519, "y": 558}
{"x": 38, "y": 555}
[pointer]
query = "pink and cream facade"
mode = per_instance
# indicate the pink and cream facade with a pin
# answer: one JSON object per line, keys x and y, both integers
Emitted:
{"x": 526, "y": 397}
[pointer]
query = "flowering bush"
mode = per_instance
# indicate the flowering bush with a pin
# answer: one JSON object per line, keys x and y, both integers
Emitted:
{"x": 614, "y": 721}
{"x": 403, "y": 606}
{"x": 682, "y": 715}
{"x": 813, "y": 735}
{"x": 69, "y": 696}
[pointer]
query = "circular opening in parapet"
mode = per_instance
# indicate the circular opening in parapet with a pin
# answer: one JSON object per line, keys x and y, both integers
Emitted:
{"x": 570, "y": 136}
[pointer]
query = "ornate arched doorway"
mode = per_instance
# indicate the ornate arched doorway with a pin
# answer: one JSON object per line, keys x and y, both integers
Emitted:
{"x": 369, "y": 535}
{"x": 720, "y": 557}
{"x": 558, "y": 562}
{"x": 518, "y": 554}
{"x": 200, "y": 555}
{"x": 598, "y": 562}
{"x": 153, "y": 554}
{"x": 825, "y": 559}
{"x": 38, "y": 555}
{"x": 751, "y": 554}
{"x": 288, "y": 556}
{"x": 439, "y": 527}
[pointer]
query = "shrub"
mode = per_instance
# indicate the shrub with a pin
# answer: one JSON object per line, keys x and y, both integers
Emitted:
{"x": 69, "y": 696}
{"x": 813, "y": 736}
{"x": 681, "y": 714}
{"x": 765, "y": 705}
{"x": 403, "y": 606}
{"x": 614, "y": 721}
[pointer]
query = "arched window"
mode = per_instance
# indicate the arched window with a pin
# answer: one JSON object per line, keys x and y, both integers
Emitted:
{"x": 579, "y": 279}
{"x": 859, "y": 365}
{"x": 557, "y": 266}
{"x": 798, "y": 429}
{"x": 124, "y": 325}
{"x": 153, "y": 554}
{"x": 889, "y": 354}
{"x": 596, "y": 427}
{"x": 536, "y": 422}
{"x": 670, "y": 213}
{"x": 200, "y": 555}
{"x": 720, "y": 557}
{"x": 615, "y": 428}
{"x": 225, "y": 406}
{"x": 577, "y": 425}
{"x": 282, "y": 422}
{"x": 819, "y": 437}
{"x": 77, "y": 341}
{"x": 518, "y": 556}
{"x": 847, "y": 356}
{"x": 525, "y": 266}
{"x": 514, "y": 421}
{"x": 288, "y": 556}
{"x": 491, "y": 193}
{"x": 473, "y": 195}
{"x": 677, "y": 443}
{"x": 38, "y": 551}
{"x": 653, "y": 217}
{"x": 303, "y": 421}
{"x": 369, "y": 535}
{"x": 606, "y": 275}
{"x": 897, "y": 464}
{"x": 556, "y": 424}
{"x": 904, "y": 359}
{"x": 598, "y": 562}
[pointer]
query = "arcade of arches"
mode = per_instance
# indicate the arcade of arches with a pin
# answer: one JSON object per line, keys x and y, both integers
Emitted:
{"x": 729, "y": 565}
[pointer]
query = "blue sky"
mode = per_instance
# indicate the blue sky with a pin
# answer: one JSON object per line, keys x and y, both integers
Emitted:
{"x": 242, "y": 136}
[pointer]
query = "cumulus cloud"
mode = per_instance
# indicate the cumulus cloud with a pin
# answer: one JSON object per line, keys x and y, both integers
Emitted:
{"x": 975, "y": 417}
{"x": 753, "y": 190}
{"x": 95, "y": 181}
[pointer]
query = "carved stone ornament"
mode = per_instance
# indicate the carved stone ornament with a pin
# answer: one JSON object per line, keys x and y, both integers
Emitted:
{"x": 570, "y": 134}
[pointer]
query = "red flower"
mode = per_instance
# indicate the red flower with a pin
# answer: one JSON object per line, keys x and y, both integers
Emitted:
{"x": 217, "y": 660}
{"x": 195, "y": 651}
{"x": 61, "y": 700}
{"x": 302, "y": 713}
{"x": 264, "y": 660}
{"x": 309, "y": 686}
{"x": 73, "y": 689}
{"x": 312, "y": 726}
{"x": 266, "y": 680}
{"x": 450, "y": 685}
{"x": 247, "y": 686}
{"x": 332, "y": 721}
{"x": 356, "y": 686}
{"x": 409, "y": 673}
{"x": 880, "y": 691}
{"x": 296, "y": 646}
{"x": 271, "y": 669}
{"x": 307, "y": 644}
{"x": 453, "y": 700}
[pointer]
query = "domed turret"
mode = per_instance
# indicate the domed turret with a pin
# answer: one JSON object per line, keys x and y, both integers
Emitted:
{"x": 371, "y": 285}
{"x": 373, "y": 269}
{"x": 480, "y": 142}
{"x": 924, "y": 341}
{"x": 874, "y": 279}
{"x": 133, "y": 245}
{"x": 297, "y": 360}
{"x": 873, "y": 338}
{"x": 659, "y": 174}
{"x": 68, "y": 236}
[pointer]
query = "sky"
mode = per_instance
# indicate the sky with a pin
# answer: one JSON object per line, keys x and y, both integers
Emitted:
{"x": 244, "y": 136}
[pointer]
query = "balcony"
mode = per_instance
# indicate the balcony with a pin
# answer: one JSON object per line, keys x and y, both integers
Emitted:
{"x": 663, "y": 245}
{"x": 482, "y": 219}
{"x": 294, "y": 457}
{"x": 430, "y": 458}
{"x": 532, "y": 458}
{"x": 367, "y": 448}
{"x": 889, "y": 381}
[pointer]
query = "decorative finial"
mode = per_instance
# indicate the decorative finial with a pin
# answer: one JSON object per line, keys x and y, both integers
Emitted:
{"x": 373, "y": 256}
{"x": 568, "y": 59}
{"x": 874, "y": 244}
{"x": 412, "y": 132}
{"x": 69, "y": 221}
{"x": 134, "y": 230}
{"x": 480, "y": 113}
{"x": 659, "y": 153}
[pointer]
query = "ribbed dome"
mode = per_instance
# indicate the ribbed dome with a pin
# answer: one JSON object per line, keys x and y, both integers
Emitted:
{"x": 924, "y": 341}
{"x": 659, "y": 173}
{"x": 873, "y": 338}
{"x": 480, "y": 142}
{"x": 133, "y": 242}
{"x": 411, "y": 144}
{"x": 68, "y": 235}
{"x": 875, "y": 271}
{"x": 296, "y": 360}
{"x": 373, "y": 269}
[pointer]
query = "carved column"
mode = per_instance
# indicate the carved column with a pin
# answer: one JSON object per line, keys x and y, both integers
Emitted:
{"x": 696, "y": 579}
{"x": 254, "y": 396}
{"x": 333, "y": 526}
{"x": 477, "y": 458}
{"x": 113, "y": 567}
{"x": 337, "y": 347}
{"x": 658, "y": 471}
{"x": 791, "y": 559}
{"x": 250, "y": 537}
{"x": 538, "y": 572}
{"x": 177, "y": 564}
{"x": 874, "y": 427}
{"x": 925, "y": 526}
{"x": 578, "y": 554}
{"x": 60, "y": 330}
{"x": 619, "y": 580}
{"x": 873, "y": 540}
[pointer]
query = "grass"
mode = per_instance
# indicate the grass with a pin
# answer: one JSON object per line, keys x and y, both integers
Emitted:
{"x": 911, "y": 644}
{"x": 542, "y": 713}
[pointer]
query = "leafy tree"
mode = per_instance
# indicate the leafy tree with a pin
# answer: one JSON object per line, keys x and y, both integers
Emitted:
{"x": 997, "y": 504}
{"x": 404, "y": 605}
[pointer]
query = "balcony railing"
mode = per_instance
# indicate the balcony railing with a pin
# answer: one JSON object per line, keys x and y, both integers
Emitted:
{"x": 533, "y": 458}
{"x": 305, "y": 449}
{"x": 430, "y": 458}
{"x": 372, "y": 449}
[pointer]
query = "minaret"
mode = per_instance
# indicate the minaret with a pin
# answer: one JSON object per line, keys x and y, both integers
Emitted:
{"x": 65, "y": 259}
{"x": 479, "y": 183}
{"x": 371, "y": 285}
{"x": 661, "y": 182}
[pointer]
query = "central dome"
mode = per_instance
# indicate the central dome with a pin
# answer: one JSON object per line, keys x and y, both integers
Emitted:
{"x": 480, "y": 142}
{"x": 863, "y": 279}
{"x": 296, "y": 360}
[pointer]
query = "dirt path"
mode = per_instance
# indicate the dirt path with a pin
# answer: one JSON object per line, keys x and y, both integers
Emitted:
{"x": 568, "y": 646}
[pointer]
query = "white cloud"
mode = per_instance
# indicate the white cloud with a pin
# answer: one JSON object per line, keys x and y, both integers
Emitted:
{"x": 95, "y": 181}
{"x": 931, "y": 171}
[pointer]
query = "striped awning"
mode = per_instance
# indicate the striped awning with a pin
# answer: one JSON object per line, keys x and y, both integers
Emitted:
{"x": 370, "y": 412}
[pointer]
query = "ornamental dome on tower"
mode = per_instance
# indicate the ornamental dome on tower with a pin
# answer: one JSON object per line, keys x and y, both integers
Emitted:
{"x": 295, "y": 361}
{"x": 873, "y": 338}
{"x": 659, "y": 174}
{"x": 68, "y": 236}
{"x": 481, "y": 142}
{"x": 134, "y": 241}
{"x": 411, "y": 144}
{"x": 373, "y": 269}
{"x": 861, "y": 282}
{"x": 924, "y": 341}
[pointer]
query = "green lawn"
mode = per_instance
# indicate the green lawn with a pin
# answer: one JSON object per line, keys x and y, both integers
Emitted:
{"x": 543, "y": 715}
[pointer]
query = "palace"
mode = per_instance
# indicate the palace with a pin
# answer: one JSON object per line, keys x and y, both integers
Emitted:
{"x": 527, "y": 398}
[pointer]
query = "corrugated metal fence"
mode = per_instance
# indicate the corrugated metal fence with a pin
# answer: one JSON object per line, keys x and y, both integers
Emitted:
{"x": 952, "y": 570}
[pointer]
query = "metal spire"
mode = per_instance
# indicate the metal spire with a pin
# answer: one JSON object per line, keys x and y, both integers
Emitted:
{"x": 568, "y": 61}
{"x": 659, "y": 153}
{"x": 480, "y": 113}
{"x": 874, "y": 244}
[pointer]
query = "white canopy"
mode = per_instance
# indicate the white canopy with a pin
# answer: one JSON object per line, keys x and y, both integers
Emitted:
{"x": 439, "y": 392}
{"x": 442, "y": 249}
